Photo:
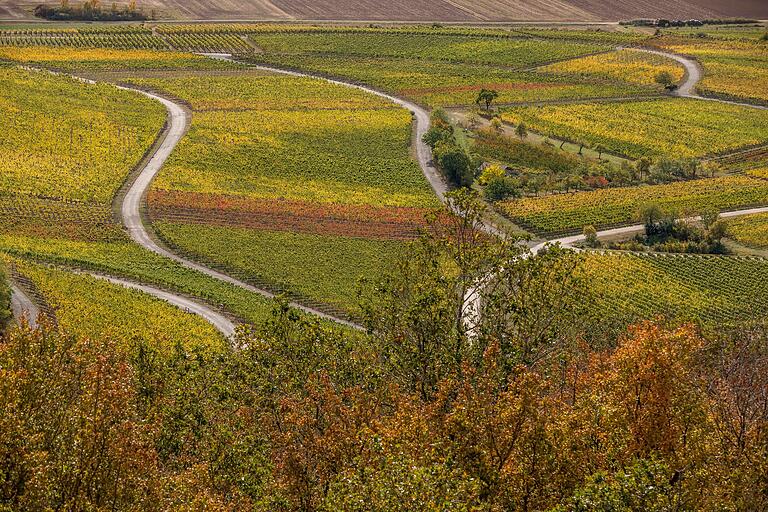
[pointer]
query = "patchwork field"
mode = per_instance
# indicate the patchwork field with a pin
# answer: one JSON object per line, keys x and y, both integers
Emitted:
{"x": 460, "y": 372}
{"x": 280, "y": 173}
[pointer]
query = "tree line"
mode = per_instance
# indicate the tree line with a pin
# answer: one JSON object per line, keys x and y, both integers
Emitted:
{"x": 541, "y": 403}
{"x": 90, "y": 10}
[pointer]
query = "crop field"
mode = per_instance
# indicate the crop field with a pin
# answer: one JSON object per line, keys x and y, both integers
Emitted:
{"x": 710, "y": 289}
{"x": 750, "y": 230}
{"x": 92, "y": 59}
{"x": 67, "y": 146}
{"x": 509, "y": 52}
{"x": 733, "y": 68}
{"x": 352, "y": 149}
{"x": 436, "y": 84}
{"x": 677, "y": 127}
{"x": 571, "y": 212}
{"x": 316, "y": 269}
{"x": 65, "y": 139}
{"x": 91, "y": 307}
{"x": 630, "y": 66}
{"x": 119, "y": 37}
{"x": 281, "y": 172}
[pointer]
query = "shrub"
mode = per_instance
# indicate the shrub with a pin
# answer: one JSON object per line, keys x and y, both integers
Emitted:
{"x": 500, "y": 188}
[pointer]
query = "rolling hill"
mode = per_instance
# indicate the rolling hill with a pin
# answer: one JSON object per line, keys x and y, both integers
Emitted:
{"x": 432, "y": 10}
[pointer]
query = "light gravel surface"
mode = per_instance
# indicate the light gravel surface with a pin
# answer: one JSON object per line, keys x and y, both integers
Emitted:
{"x": 23, "y": 307}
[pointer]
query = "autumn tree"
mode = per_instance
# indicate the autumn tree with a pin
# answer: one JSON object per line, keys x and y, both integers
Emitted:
{"x": 486, "y": 97}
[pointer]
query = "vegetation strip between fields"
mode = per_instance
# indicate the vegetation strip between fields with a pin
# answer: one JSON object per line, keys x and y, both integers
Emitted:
{"x": 569, "y": 241}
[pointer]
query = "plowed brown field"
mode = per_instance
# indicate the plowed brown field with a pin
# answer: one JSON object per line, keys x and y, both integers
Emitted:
{"x": 430, "y": 10}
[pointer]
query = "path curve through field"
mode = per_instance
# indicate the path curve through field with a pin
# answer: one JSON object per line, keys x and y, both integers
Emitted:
{"x": 693, "y": 76}
{"x": 178, "y": 124}
{"x": 221, "y": 323}
{"x": 23, "y": 307}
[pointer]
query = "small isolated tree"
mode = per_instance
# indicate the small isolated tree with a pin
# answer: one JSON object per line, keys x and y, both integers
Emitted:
{"x": 664, "y": 78}
{"x": 487, "y": 97}
{"x": 497, "y": 125}
{"x": 709, "y": 217}
{"x": 600, "y": 150}
{"x": 650, "y": 215}
{"x": 521, "y": 131}
{"x": 590, "y": 237}
{"x": 643, "y": 167}
{"x": 500, "y": 188}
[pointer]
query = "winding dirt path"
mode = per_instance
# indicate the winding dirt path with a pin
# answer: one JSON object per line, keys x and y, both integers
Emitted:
{"x": 178, "y": 124}
{"x": 693, "y": 75}
{"x": 23, "y": 307}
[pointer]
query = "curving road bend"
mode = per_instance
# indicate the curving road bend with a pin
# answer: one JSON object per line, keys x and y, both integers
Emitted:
{"x": 219, "y": 321}
{"x": 178, "y": 124}
{"x": 693, "y": 76}
{"x": 23, "y": 307}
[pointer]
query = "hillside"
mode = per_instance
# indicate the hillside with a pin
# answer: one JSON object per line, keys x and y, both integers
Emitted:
{"x": 433, "y": 10}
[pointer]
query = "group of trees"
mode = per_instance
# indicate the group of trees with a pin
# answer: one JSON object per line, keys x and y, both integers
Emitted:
{"x": 90, "y": 10}
{"x": 538, "y": 404}
{"x": 666, "y": 231}
{"x": 543, "y": 168}
{"x": 453, "y": 160}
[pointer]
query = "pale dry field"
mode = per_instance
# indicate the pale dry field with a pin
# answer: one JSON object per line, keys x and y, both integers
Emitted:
{"x": 430, "y": 10}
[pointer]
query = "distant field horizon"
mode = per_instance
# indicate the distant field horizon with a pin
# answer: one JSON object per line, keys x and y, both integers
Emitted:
{"x": 428, "y": 10}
